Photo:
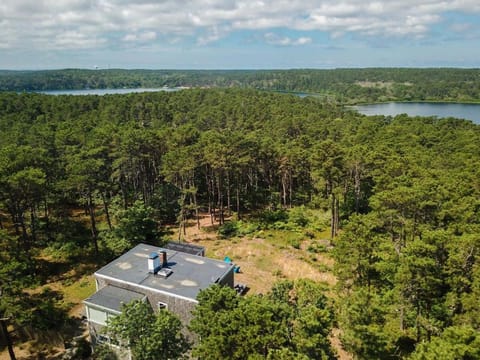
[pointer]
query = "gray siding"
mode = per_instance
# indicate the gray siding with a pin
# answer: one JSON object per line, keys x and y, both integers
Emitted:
{"x": 179, "y": 306}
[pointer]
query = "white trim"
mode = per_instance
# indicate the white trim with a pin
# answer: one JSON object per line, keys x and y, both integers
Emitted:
{"x": 147, "y": 288}
{"x": 100, "y": 307}
{"x": 96, "y": 322}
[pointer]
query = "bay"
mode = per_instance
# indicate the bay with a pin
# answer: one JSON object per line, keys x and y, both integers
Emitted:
{"x": 440, "y": 110}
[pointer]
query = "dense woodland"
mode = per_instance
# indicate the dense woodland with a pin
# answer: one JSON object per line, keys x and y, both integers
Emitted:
{"x": 340, "y": 85}
{"x": 403, "y": 196}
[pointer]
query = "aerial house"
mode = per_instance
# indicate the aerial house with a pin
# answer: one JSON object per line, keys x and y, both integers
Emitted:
{"x": 165, "y": 277}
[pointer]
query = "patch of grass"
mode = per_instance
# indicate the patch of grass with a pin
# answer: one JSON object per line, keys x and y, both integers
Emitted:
{"x": 323, "y": 267}
{"x": 284, "y": 238}
{"x": 264, "y": 263}
{"x": 316, "y": 248}
{"x": 210, "y": 228}
{"x": 79, "y": 290}
{"x": 278, "y": 273}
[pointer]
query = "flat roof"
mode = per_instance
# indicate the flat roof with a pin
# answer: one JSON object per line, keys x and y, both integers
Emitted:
{"x": 112, "y": 298}
{"x": 185, "y": 247}
{"x": 190, "y": 273}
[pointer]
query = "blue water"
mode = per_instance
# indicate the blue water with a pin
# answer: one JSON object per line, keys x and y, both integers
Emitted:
{"x": 440, "y": 110}
{"x": 105, "y": 91}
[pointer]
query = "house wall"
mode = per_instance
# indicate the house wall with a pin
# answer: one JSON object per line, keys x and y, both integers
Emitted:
{"x": 179, "y": 306}
{"x": 227, "y": 279}
{"x": 96, "y": 337}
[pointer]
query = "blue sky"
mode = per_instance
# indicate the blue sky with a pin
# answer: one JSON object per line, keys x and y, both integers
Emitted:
{"x": 233, "y": 34}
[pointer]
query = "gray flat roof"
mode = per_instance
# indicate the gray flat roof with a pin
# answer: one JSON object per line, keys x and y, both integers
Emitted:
{"x": 112, "y": 297}
{"x": 185, "y": 247}
{"x": 190, "y": 273}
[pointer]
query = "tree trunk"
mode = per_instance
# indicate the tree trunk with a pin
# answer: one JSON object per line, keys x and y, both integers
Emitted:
{"x": 228, "y": 195}
{"x": 211, "y": 195}
{"x": 333, "y": 216}
{"x": 107, "y": 212}
{"x": 238, "y": 201}
{"x": 337, "y": 215}
{"x": 25, "y": 239}
{"x": 220, "y": 199}
{"x": 8, "y": 340}
{"x": 91, "y": 210}
{"x": 284, "y": 189}
{"x": 33, "y": 229}
{"x": 357, "y": 186}
{"x": 195, "y": 203}
{"x": 417, "y": 325}
{"x": 15, "y": 224}
{"x": 290, "y": 188}
{"x": 46, "y": 214}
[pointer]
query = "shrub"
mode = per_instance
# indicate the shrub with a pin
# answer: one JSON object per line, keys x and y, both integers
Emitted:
{"x": 294, "y": 240}
{"x": 270, "y": 217}
{"x": 228, "y": 229}
{"x": 298, "y": 217}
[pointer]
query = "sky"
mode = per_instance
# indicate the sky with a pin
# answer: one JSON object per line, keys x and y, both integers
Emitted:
{"x": 238, "y": 34}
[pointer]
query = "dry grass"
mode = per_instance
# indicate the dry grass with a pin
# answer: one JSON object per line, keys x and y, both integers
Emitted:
{"x": 265, "y": 260}
{"x": 262, "y": 260}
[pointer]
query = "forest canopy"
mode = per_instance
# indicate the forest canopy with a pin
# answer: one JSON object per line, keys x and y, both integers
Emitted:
{"x": 402, "y": 193}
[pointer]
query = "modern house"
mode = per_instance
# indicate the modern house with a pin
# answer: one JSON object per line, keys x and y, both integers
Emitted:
{"x": 169, "y": 277}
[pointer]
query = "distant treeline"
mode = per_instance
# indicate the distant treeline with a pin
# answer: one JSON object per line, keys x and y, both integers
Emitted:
{"x": 341, "y": 85}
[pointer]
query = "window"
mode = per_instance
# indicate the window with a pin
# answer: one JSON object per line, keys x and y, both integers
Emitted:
{"x": 162, "y": 305}
{"x": 97, "y": 316}
{"x": 102, "y": 339}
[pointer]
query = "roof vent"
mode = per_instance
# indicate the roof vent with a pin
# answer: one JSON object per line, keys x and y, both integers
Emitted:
{"x": 154, "y": 263}
{"x": 163, "y": 257}
{"x": 165, "y": 272}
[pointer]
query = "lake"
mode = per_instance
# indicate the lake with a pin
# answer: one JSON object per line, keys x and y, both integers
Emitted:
{"x": 106, "y": 91}
{"x": 441, "y": 110}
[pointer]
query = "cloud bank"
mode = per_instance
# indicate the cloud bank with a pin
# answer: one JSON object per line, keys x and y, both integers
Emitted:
{"x": 80, "y": 24}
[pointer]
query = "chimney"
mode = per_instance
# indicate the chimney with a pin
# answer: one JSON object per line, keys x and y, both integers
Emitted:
{"x": 163, "y": 255}
{"x": 154, "y": 263}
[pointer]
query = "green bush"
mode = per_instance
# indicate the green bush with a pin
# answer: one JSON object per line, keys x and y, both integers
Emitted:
{"x": 228, "y": 229}
{"x": 298, "y": 217}
{"x": 294, "y": 240}
{"x": 104, "y": 352}
{"x": 270, "y": 217}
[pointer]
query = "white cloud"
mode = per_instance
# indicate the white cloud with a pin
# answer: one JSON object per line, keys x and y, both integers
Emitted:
{"x": 95, "y": 23}
{"x": 76, "y": 40}
{"x": 274, "y": 39}
{"x": 140, "y": 37}
{"x": 213, "y": 34}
